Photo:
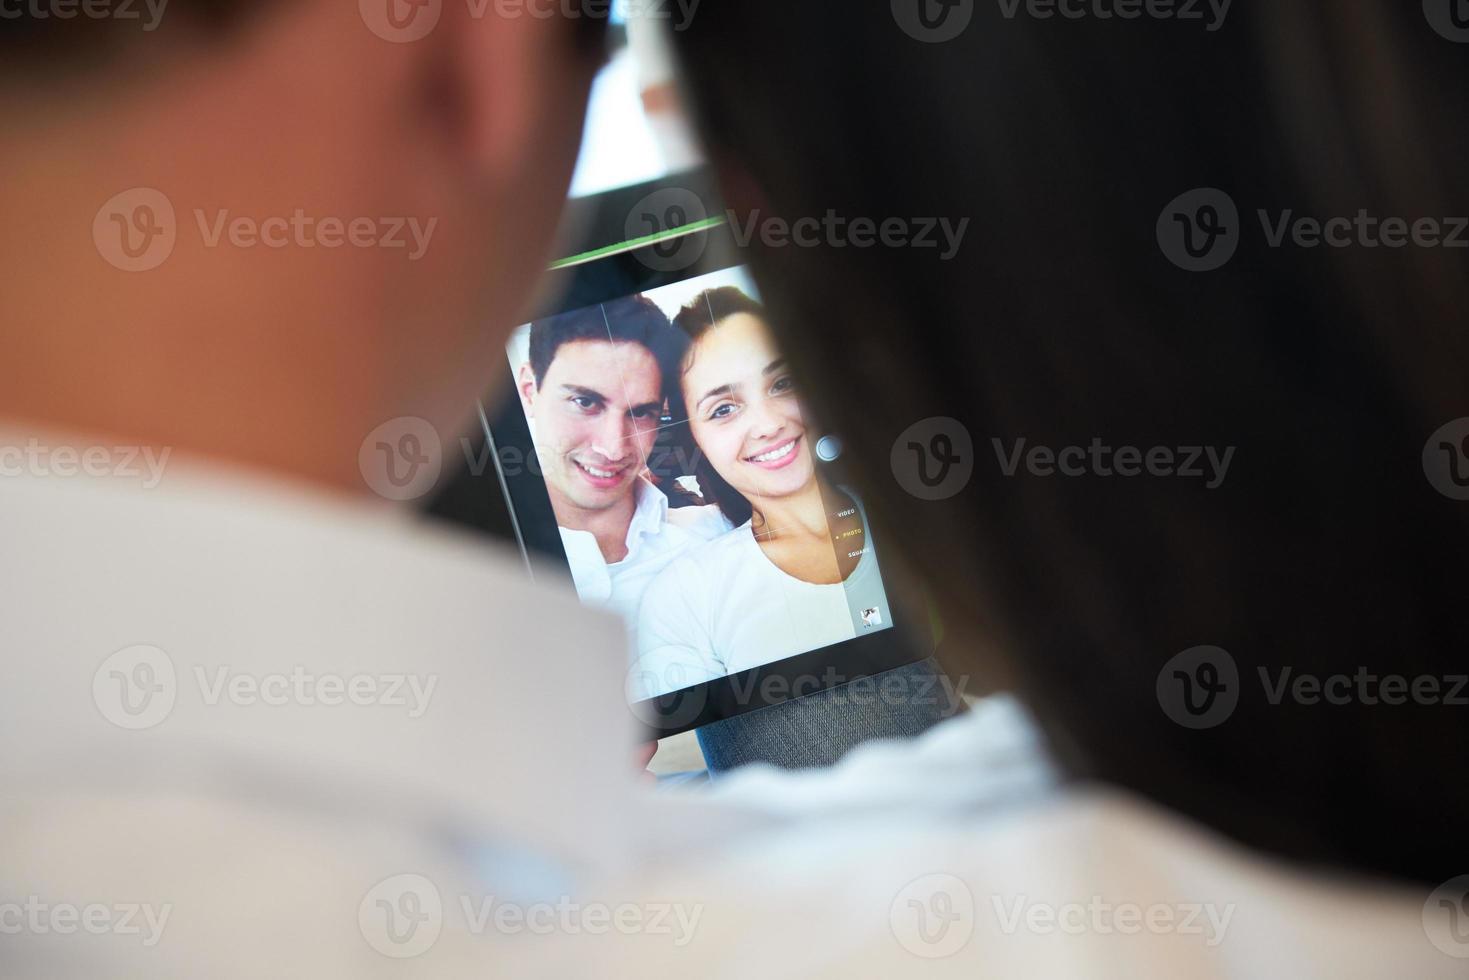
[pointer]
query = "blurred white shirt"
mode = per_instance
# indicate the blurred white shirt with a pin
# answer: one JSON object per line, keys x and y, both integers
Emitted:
{"x": 250, "y": 732}
{"x": 958, "y": 856}
{"x": 242, "y": 722}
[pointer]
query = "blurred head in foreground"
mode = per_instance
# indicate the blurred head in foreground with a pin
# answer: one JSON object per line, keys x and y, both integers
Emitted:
{"x": 258, "y": 230}
{"x": 1176, "y": 415}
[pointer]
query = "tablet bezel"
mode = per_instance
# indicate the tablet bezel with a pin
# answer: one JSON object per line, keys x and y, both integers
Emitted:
{"x": 614, "y": 276}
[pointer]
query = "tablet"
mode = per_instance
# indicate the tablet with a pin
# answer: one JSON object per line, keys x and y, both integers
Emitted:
{"x": 653, "y": 447}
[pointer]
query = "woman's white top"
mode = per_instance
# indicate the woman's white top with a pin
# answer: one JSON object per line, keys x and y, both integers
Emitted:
{"x": 723, "y": 607}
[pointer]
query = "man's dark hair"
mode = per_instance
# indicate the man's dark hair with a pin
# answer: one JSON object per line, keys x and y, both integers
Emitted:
{"x": 29, "y": 42}
{"x": 1062, "y": 319}
{"x": 632, "y": 320}
{"x": 51, "y": 43}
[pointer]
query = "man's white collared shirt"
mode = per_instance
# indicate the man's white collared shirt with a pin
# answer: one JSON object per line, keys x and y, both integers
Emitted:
{"x": 656, "y": 535}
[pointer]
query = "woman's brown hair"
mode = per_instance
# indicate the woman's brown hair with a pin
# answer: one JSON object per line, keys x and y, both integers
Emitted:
{"x": 1069, "y": 315}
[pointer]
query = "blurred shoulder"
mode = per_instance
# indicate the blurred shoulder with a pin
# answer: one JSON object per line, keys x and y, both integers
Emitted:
{"x": 1079, "y": 884}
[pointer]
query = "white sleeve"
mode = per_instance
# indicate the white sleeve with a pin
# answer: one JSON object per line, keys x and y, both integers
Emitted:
{"x": 675, "y": 641}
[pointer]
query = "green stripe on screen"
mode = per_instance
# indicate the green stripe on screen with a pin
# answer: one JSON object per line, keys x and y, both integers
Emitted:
{"x": 627, "y": 246}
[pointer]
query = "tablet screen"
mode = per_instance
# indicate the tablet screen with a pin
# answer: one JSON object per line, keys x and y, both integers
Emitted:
{"x": 690, "y": 490}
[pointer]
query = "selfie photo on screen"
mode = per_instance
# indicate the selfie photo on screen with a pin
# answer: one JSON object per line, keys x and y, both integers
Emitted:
{"x": 688, "y": 490}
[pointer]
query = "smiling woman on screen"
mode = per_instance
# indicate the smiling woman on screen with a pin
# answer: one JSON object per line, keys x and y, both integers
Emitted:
{"x": 798, "y": 570}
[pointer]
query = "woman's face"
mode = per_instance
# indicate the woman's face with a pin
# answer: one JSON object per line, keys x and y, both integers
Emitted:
{"x": 743, "y": 410}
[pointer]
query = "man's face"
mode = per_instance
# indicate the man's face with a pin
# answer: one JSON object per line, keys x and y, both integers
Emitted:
{"x": 596, "y": 415}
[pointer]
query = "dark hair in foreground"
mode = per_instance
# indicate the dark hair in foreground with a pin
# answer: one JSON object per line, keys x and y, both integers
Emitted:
{"x": 631, "y": 320}
{"x": 700, "y": 315}
{"x": 1324, "y": 551}
{"x": 34, "y": 39}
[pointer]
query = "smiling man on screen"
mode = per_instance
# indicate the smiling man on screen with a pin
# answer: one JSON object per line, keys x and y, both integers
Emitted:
{"x": 594, "y": 388}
